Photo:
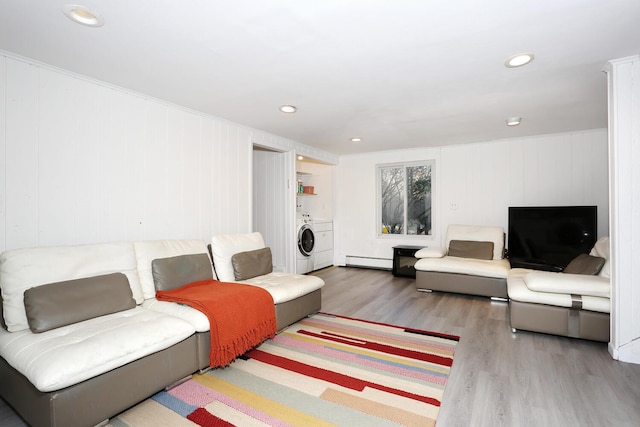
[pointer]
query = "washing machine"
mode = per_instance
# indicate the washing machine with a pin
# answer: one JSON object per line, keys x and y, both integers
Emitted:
{"x": 305, "y": 244}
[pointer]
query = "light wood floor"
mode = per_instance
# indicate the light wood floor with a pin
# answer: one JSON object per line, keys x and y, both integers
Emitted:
{"x": 498, "y": 378}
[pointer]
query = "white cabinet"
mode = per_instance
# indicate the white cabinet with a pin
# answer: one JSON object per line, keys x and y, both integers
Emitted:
{"x": 323, "y": 249}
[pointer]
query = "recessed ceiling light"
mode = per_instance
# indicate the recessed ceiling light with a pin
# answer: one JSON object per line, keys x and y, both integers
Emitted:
{"x": 356, "y": 139}
{"x": 300, "y": 157}
{"x": 82, "y": 15}
{"x": 519, "y": 60}
{"x": 513, "y": 121}
{"x": 289, "y": 109}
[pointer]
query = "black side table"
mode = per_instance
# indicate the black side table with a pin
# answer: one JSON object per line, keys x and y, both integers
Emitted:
{"x": 404, "y": 259}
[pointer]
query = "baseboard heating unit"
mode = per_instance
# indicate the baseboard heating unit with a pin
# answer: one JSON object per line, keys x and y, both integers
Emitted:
{"x": 368, "y": 262}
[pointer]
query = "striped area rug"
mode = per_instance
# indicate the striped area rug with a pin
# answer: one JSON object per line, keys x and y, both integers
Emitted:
{"x": 324, "y": 370}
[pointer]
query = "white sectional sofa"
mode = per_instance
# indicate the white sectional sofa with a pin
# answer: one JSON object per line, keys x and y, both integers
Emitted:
{"x": 472, "y": 262}
{"x": 573, "y": 304}
{"x": 83, "y": 337}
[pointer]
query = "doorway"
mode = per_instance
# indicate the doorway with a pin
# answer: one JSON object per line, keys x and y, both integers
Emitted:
{"x": 273, "y": 215}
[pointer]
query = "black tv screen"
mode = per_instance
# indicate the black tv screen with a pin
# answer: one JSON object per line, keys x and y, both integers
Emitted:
{"x": 549, "y": 237}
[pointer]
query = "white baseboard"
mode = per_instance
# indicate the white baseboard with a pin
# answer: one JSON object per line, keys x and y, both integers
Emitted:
{"x": 629, "y": 353}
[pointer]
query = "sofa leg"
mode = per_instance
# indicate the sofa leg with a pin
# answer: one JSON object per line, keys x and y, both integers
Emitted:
{"x": 177, "y": 383}
{"x": 423, "y": 290}
{"x": 500, "y": 299}
{"x": 514, "y": 330}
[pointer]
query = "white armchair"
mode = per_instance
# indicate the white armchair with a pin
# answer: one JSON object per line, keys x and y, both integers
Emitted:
{"x": 472, "y": 262}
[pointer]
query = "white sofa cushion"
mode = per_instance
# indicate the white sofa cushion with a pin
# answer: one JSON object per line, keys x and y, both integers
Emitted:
{"x": 69, "y": 355}
{"x": 285, "y": 287}
{"x": 431, "y": 252}
{"x": 147, "y": 251}
{"x": 478, "y": 233}
{"x": 476, "y": 267}
{"x": 21, "y": 269}
{"x": 195, "y": 317}
{"x": 563, "y": 283}
{"x": 518, "y": 291}
{"x": 223, "y": 248}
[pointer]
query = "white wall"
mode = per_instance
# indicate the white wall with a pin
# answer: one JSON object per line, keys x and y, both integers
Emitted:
{"x": 474, "y": 184}
{"x": 83, "y": 162}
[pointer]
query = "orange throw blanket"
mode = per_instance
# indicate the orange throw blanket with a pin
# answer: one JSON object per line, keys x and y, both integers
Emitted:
{"x": 240, "y": 316}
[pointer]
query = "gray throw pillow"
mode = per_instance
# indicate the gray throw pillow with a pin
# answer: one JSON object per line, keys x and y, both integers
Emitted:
{"x": 63, "y": 303}
{"x": 471, "y": 249}
{"x": 585, "y": 264}
{"x": 252, "y": 263}
{"x": 174, "y": 272}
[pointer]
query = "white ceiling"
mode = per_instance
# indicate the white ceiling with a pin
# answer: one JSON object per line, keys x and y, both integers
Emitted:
{"x": 397, "y": 73}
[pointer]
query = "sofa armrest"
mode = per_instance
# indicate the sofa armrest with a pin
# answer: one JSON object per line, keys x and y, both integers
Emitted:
{"x": 564, "y": 283}
{"x": 431, "y": 253}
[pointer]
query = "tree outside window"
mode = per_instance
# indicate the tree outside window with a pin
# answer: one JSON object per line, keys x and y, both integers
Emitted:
{"x": 405, "y": 198}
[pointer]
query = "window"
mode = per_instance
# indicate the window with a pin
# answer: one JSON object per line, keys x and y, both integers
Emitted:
{"x": 405, "y": 198}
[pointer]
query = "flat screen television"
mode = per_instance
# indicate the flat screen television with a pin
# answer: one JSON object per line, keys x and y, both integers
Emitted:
{"x": 549, "y": 237}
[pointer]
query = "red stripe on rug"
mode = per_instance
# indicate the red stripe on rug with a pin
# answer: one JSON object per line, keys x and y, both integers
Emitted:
{"x": 383, "y": 348}
{"x": 332, "y": 377}
{"x": 204, "y": 418}
{"x": 410, "y": 330}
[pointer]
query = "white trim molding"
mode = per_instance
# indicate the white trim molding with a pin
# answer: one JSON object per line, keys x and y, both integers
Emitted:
{"x": 623, "y": 77}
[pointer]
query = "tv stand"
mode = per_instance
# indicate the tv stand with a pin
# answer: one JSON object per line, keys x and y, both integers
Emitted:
{"x": 535, "y": 265}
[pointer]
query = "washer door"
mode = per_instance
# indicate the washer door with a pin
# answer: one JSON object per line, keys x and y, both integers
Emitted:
{"x": 306, "y": 240}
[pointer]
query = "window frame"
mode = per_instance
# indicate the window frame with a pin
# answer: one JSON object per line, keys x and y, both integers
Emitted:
{"x": 404, "y": 165}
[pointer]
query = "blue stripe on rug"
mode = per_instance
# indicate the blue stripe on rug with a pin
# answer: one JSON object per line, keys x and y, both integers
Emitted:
{"x": 176, "y": 405}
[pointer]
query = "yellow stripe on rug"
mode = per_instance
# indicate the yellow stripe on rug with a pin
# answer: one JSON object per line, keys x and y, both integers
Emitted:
{"x": 390, "y": 413}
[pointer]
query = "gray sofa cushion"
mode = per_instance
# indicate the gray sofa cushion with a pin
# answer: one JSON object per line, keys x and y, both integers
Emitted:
{"x": 174, "y": 272}
{"x": 63, "y": 303}
{"x": 585, "y": 264}
{"x": 252, "y": 263}
{"x": 471, "y": 249}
